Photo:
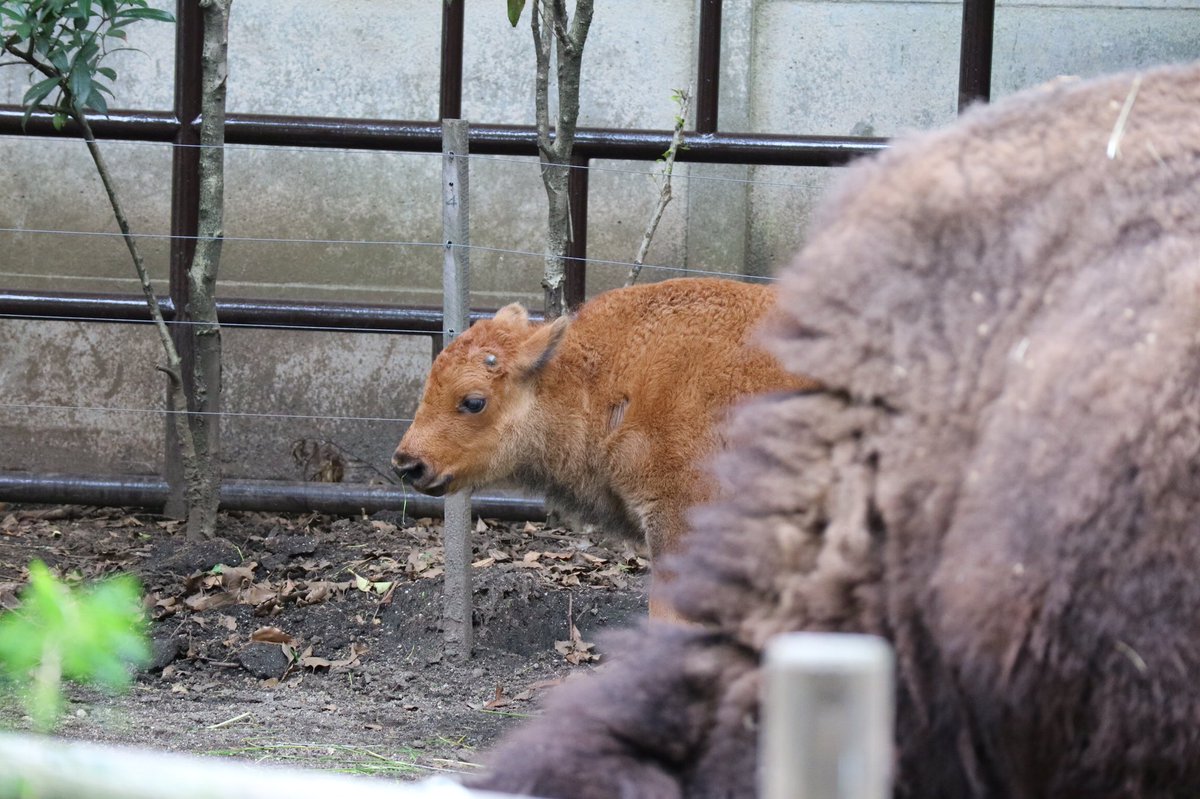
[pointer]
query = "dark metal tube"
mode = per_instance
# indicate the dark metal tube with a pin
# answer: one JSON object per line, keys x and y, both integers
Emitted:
{"x": 400, "y": 136}
{"x": 232, "y": 312}
{"x": 708, "y": 67}
{"x": 450, "y": 94}
{"x": 575, "y": 284}
{"x": 185, "y": 224}
{"x": 975, "y": 59}
{"x": 129, "y": 125}
{"x": 256, "y": 495}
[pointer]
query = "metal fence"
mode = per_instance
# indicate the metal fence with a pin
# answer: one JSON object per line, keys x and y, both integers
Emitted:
{"x": 706, "y": 144}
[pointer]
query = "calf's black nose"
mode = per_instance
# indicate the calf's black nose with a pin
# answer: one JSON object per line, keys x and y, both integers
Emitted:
{"x": 410, "y": 469}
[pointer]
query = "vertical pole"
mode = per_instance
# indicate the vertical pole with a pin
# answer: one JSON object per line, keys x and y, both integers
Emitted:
{"x": 450, "y": 91}
{"x": 975, "y": 54}
{"x": 575, "y": 276}
{"x": 708, "y": 66}
{"x": 185, "y": 222}
{"x": 828, "y": 715}
{"x": 456, "y": 272}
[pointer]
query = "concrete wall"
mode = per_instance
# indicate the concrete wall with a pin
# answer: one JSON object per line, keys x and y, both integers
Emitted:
{"x": 797, "y": 66}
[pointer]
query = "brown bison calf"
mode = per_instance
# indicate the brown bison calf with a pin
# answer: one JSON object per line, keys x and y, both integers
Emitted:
{"x": 1001, "y": 476}
{"x": 612, "y": 413}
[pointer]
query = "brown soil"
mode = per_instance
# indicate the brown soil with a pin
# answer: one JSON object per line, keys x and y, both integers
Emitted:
{"x": 361, "y": 682}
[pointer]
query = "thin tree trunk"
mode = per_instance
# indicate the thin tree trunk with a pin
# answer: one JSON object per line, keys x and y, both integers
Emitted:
{"x": 173, "y": 367}
{"x": 205, "y": 422}
{"x": 549, "y": 25}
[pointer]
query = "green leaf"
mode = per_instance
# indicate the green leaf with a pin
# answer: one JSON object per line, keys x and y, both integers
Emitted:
{"x": 108, "y": 72}
{"x": 96, "y": 100}
{"x": 145, "y": 13}
{"x": 59, "y": 120}
{"x": 515, "y": 7}
{"x": 59, "y": 59}
{"x": 80, "y": 82}
{"x": 38, "y": 92}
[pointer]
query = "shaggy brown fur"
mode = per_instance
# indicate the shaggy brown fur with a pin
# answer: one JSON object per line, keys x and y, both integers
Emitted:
{"x": 1003, "y": 476}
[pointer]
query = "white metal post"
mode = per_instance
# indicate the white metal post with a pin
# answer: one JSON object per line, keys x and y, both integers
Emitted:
{"x": 456, "y": 272}
{"x": 828, "y": 715}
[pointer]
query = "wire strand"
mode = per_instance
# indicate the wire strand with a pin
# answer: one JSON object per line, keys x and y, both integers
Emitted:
{"x": 248, "y": 325}
{"x": 390, "y": 243}
{"x": 169, "y": 412}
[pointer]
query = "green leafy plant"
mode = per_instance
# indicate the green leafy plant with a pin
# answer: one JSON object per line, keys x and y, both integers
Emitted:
{"x": 91, "y": 634}
{"x": 65, "y": 41}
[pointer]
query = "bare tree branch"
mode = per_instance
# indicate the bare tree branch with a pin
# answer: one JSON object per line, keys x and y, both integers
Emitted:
{"x": 664, "y": 195}
{"x": 541, "y": 49}
{"x": 172, "y": 368}
{"x": 548, "y": 23}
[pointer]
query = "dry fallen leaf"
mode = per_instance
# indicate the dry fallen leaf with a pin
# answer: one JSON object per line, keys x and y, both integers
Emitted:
{"x": 500, "y": 700}
{"x": 575, "y": 650}
{"x": 316, "y": 663}
{"x": 272, "y": 635}
{"x": 202, "y": 602}
{"x": 236, "y": 576}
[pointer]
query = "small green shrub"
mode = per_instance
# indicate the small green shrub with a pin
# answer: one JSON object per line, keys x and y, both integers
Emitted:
{"x": 91, "y": 634}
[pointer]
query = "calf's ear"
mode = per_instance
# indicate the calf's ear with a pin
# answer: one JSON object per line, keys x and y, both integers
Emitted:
{"x": 537, "y": 350}
{"x": 513, "y": 313}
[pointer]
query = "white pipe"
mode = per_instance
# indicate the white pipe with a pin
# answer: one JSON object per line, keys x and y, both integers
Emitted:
{"x": 36, "y": 767}
{"x": 828, "y": 717}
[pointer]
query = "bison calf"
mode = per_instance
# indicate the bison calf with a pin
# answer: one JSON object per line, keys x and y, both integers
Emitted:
{"x": 612, "y": 412}
{"x": 1001, "y": 476}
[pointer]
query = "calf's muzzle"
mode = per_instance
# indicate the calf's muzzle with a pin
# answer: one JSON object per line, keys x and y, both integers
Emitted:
{"x": 420, "y": 475}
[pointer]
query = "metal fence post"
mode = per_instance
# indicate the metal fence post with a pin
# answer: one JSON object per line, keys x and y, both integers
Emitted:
{"x": 828, "y": 717}
{"x": 456, "y": 271}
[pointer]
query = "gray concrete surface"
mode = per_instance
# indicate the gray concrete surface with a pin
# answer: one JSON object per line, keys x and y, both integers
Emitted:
{"x": 799, "y": 66}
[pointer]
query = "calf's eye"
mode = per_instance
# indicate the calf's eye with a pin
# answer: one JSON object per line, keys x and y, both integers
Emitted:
{"x": 472, "y": 404}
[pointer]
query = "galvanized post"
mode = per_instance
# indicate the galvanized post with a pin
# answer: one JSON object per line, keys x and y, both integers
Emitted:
{"x": 456, "y": 309}
{"x": 828, "y": 716}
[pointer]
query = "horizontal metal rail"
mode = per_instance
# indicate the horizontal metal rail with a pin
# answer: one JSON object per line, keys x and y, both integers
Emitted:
{"x": 402, "y": 136}
{"x": 353, "y": 317}
{"x": 258, "y": 495}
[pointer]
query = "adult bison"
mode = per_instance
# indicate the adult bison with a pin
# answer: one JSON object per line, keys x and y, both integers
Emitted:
{"x": 612, "y": 412}
{"x": 1000, "y": 474}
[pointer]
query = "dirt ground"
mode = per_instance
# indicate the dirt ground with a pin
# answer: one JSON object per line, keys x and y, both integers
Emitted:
{"x": 351, "y": 675}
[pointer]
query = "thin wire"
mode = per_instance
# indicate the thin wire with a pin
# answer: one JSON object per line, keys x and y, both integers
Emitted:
{"x": 165, "y": 411}
{"x": 530, "y": 159}
{"x": 440, "y": 245}
{"x": 253, "y": 325}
